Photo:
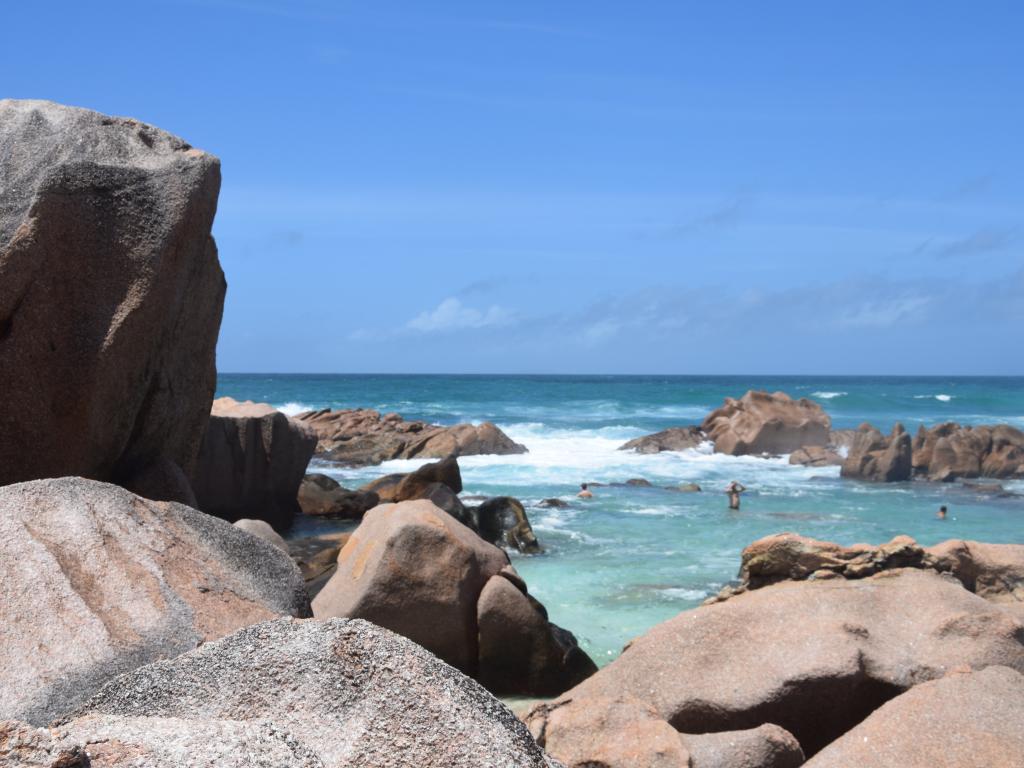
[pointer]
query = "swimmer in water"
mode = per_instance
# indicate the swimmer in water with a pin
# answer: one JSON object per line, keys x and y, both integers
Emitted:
{"x": 734, "y": 490}
{"x": 941, "y": 514}
{"x": 584, "y": 493}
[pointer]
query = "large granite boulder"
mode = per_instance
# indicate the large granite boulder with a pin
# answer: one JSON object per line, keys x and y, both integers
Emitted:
{"x": 814, "y": 657}
{"x": 624, "y": 732}
{"x": 950, "y": 452}
{"x": 110, "y": 298}
{"x": 967, "y": 720}
{"x": 672, "y": 439}
{"x": 414, "y": 569}
{"x": 760, "y": 422}
{"x": 992, "y": 571}
{"x": 97, "y": 581}
{"x": 520, "y": 651}
{"x": 347, "y": 693}
{"x": 251, "y": 463}
{"x": 503, "y": 521}
{"x": 362, "y": 436}
{"x": 323, "y": 496}
{"x": 878, "y": 458}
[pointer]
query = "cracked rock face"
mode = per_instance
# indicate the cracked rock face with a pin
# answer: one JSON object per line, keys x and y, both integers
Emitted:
{"x": 110, "y": 298}
{"x": 97, "y": 581}
{"x": 346, "y": 691}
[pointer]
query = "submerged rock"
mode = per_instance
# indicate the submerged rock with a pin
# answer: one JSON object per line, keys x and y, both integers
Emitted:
{"x": 97, "y": 581}
{"x": 965, "y": 719}
{"x": 345, "y": 692}
{"x": 362, "y": 436}
{"x": 251, "y": 464}
{"x": 503, "y": 521}
{"x": 815, "y": 456}
{"x": 760, "y": 422}
{"x": 414, "y": 569}
{"x": 110, "y": 298}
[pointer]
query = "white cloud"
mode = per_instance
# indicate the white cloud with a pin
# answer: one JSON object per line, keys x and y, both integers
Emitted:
{"x": 452, "y": 315}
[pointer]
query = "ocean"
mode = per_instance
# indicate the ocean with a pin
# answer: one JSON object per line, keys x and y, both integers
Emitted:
{"x": 632, "y": 557}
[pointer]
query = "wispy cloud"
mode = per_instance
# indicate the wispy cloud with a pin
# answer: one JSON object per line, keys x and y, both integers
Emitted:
{"x": 452, "y": 315}
{"x": 982, "y": 241}
{"x": 728, "y": 214}
{"x": 882, "y": 314}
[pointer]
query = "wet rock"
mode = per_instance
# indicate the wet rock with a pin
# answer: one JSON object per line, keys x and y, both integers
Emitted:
{"x": 747, "y": 661}
{"x": 252, "y": 461}
{"x": 966, "y": 719}
{"x": 815, "y": 456}
{"x": 554, "y": 503}
{"x": 322, "y": 496}
{"x": 673, "y": 439}
{"x": 110, "y": 298}
{"x": 503, "y": 521}
{"x": 760, "y": 422}
{"x": 349, "y": 692}
{"x": 361, "y": 437}
{"x": 684, "y": 488}
{"x": 413, "y": 485}
{"x": 878, "y": 458}
{"x": 639, "y": 482}
{"x": 97, "y": 581}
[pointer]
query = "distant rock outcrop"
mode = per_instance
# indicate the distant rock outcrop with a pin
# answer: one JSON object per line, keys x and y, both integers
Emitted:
{"x": 362, "y": 437}
{"x": 760, "y": 422}
{"x": 414, "y": 569}
{"x": 878, "y": 458}
{"x": 672, "y": 439}
{"x": 307, "y": 693}
{"x": 323, "y": 496}
{"x": 251, "y": 463}
{"x": 98, "y": 581}
{"x": 952, "y": 452}
{"x": 110, "y": 299}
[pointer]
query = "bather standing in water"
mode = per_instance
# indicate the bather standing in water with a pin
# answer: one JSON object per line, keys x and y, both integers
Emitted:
{"x": 734, "y": 490}
{"x": 584, "y": 493}
{"x": 942, "y": 512}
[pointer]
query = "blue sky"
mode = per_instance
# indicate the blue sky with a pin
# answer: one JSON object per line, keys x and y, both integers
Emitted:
{"x": 591, "y": 187}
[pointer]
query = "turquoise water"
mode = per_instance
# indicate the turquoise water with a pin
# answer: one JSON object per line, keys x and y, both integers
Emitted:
{"x": 633, "y": 557}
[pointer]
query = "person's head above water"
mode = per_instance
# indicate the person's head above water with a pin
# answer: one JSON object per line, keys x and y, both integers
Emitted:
{"x": 583, "y": 486}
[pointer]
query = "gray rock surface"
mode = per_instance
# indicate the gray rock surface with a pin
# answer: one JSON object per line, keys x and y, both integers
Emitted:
{"x": 110, "y": 297}
{"x": 95, "y": 581}
{"x": 348, "y": 691}
{"x": 262, "y": 529}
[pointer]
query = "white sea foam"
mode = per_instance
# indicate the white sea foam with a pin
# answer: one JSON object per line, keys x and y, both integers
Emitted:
{"x": 829, "y": 395}
{"x": 681, "y": 593}
{"x": 940, "y": 397}
{"x": 293, "y": 409}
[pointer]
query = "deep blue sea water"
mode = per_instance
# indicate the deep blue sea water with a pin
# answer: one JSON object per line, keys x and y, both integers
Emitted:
{"x": 633, "y": 557}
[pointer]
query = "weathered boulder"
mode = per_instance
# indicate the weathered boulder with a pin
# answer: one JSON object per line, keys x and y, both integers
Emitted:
{"x": 95, "y": 581}
{"x": 110, "y": 741}
{"x": 878, "y": 458}
{"x": 317, "y": 557}
{"x": 262, "y": 530}
{"x": 949, "y": 452}
{"x": 348, "y": 692}
{"x": 362, "y": 436}
{"x": 760, "y": 422}
{"x": 323, "y": 496}
{"x": 815, "y": 456}
{"x": 415, "y": 483}
{"x": 814, "y": 657}
{"x": 553, "y": 503}
{"x": 110, "y": 298}
{"x": 968, "y": 720}
{"x": 251, "y": 463}
{"x": 414, "y": 569}
{"x": 503, "y": 521}
{"x": 992, "y": 571}
{"x": 385, "y": 487}
{"x": 521, "y": 652}
{"x": 625, "y": 732}
{"x": 672, "y": 439}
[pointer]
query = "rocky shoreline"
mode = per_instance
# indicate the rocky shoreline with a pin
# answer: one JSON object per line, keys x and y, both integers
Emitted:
{"x": 153, "y": 615}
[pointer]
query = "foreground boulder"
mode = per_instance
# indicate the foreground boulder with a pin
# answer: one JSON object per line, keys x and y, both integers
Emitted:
{"x": 878, "y": 458}
{"x": 110, "y": 298}
{"x": 950, "y": 452}
{"x": 252, "y": 461}
{"x": 97, "y": 581}
{"x": 972, "y": 720}
{"x": 814, "y": 657}
{"x": 760, "y": 422}
{"x": 323, "y": 496}
{"x": 414, "y": 569}
{"x": 672, "y": 439}
{"x": 345, "y": 693}
{"x": 624, "y": 732}
{"x": 362, "y": 436}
